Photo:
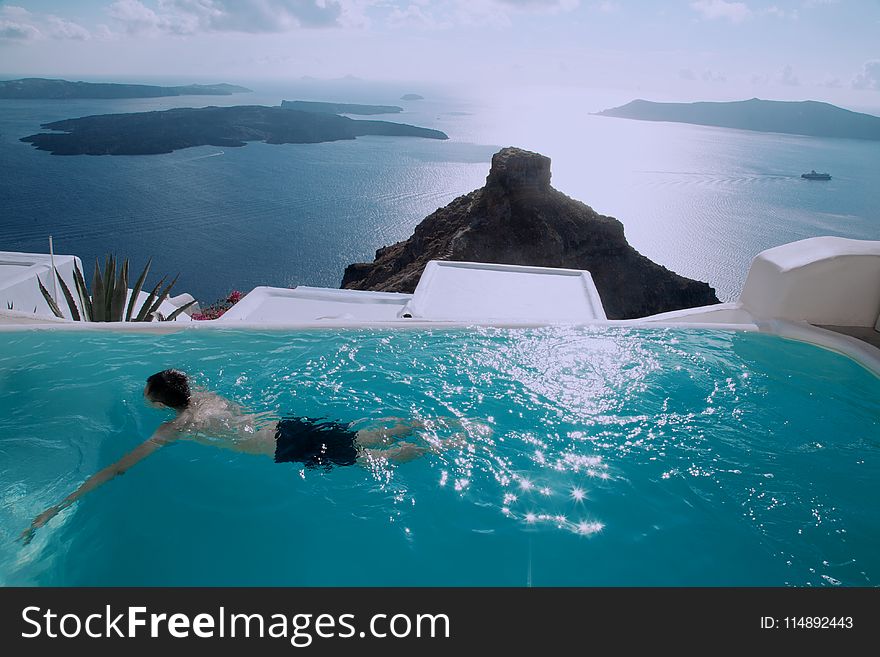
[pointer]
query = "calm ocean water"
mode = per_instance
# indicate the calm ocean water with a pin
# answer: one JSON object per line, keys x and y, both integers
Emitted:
{"x": 701, "y": 201}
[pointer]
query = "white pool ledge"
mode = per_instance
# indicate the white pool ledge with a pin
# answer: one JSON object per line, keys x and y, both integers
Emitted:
{"x": 827, "y": 280}
{"x": 274, "y": 305}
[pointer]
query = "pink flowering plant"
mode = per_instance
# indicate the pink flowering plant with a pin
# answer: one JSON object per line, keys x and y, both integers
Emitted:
{"x": 216, "y": 309}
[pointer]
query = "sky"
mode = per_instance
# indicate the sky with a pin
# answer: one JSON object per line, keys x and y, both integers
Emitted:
{"x": 672, "y": 50}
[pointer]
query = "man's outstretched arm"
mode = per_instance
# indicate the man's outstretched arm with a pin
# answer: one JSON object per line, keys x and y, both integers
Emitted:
{"x": 164, "y": 434}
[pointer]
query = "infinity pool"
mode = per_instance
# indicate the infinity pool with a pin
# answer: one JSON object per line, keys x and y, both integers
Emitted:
{"x": 603, "y": 456}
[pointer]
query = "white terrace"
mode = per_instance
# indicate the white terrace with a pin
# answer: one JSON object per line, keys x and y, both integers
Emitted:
{"x": 824, "y": 290}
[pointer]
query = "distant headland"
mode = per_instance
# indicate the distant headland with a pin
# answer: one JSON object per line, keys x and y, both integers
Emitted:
{"x": 339, "y": 108}
{"x": 806, "y": 117}
{"x": 42, "y": 88}
{"x": 146, "y": 133}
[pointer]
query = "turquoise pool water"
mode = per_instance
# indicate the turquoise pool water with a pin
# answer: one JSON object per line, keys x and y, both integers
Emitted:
{"x": 594, "y": 457}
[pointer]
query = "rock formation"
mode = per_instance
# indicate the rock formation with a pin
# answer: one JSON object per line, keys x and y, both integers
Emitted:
{"x": 518, "y": 218}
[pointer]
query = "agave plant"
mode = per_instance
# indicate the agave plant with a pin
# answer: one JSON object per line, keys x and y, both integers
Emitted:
{"x": 107, "y": 300}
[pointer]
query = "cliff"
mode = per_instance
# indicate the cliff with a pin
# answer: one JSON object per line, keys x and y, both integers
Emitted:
{"x": 806, "y": 117}
{"x": 518, "y": 218}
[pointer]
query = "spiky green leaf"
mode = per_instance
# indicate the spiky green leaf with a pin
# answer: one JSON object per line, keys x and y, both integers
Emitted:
{"x": 155, "y": 307}
{"x": 48, "y": 297}
{"x": 109, "y": 285}
{"x": 177, "y": 312}
{"x": 83, "y": 292}
{"x": 117, "y": 305}
{"x": 74, "y": 312}
{"x": 148, "y": 304}
{"x": 98, "y": 307}
{"x": 137, "y": 290}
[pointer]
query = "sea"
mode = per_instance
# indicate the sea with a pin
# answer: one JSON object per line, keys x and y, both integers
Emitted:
{"x": 701, "y": 201}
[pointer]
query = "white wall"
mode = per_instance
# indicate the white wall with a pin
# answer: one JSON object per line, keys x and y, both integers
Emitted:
{"x": 18, "y": 285}
{"x": 18, "y": 281}
{"x": 461, "y": 291}
{"x": 821, "y": 280}
{"x": 719, "y": 313}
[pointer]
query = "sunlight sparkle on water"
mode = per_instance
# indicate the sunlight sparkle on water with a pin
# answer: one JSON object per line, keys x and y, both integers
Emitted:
{"x": 615, "y": 485}
{"x": 587, "y": 528}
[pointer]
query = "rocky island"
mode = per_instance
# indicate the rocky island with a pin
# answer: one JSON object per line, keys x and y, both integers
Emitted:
{"x": 412, "y": 97}
{"x": 518, "y": 218}
{"x": 339, "y": 108}
{"x": 42, "y": 88}
{"x": 808, "y": 117}
{"x": 145, "y": 133}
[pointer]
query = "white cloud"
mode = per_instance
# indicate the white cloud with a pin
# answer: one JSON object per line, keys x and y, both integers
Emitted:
{"x": 104, "y": 33}
{"x": 869, "y": 76}
{"x": 19, "y": 24}
{"x": 16, "y": 31}
{"x": 251, "y": 16}
{"x": 788, "y": 78}
{"x": 490, "y": 13}
{"x": 60, "y": 28}
{"x": 735, "y": 12}
{"x": 785, "y": 78}
{"x": 687, "y": 74}
{"x": 552, "y": 6}
{"x": 413, "y": 16}
{"x": 14, "y": 12}
{"x": 773, "y": 10}
{"x": 498, "y": 13}
{"x": 136, "y": 17}
{"x": 713, "y": 76}
{"x": 606, "y": 7}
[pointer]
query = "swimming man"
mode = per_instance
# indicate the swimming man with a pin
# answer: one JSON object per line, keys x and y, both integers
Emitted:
{"x": 209, "y": 419}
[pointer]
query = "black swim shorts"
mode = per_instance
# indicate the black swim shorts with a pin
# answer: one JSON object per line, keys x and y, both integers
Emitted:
{"x": 315, "y": 443}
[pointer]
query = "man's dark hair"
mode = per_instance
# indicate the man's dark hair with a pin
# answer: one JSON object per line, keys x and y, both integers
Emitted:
{"x": 169, "y": 387}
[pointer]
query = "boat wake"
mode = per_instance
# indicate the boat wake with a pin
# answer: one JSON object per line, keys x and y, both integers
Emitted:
{"x": 202, "y": 157}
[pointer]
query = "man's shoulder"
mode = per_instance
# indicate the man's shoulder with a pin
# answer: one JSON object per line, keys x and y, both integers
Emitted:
{"x": 168, "y": 431}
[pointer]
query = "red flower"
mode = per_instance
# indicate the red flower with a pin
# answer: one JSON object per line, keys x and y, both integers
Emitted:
{"x": 216, "y": 310}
